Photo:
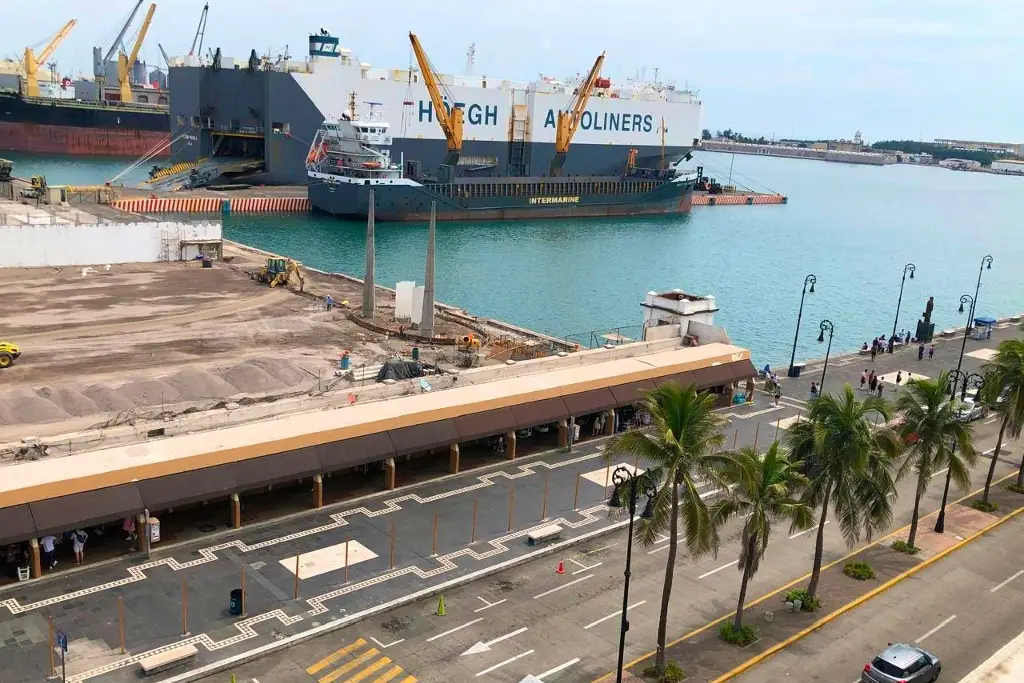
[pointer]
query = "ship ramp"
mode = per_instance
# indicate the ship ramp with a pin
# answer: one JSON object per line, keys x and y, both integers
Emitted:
{"x": 194, "y": 174}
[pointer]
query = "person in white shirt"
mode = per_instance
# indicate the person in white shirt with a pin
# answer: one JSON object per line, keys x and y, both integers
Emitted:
{"x": 78, "y": 539}
{"x": 48, "y": 543}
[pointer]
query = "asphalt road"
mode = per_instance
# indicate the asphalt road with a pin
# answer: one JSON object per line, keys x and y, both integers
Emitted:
{"x": 963, "y": 608}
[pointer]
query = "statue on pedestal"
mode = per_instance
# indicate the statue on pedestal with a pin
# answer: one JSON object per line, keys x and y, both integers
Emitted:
{"x": 928, "y": 308}
{"x": 925, "y": 326}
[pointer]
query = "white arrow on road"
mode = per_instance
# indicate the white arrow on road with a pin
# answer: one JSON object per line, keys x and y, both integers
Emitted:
{"x": 485, "y": 647}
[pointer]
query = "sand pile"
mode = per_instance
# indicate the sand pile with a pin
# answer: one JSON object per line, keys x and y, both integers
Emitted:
{"x": 249, "y": 378}
{"x": 107, "y": 399}
{"x": 193, "y": 384}
{"x": 69, "y": 400}
{"x": 148, "y": 392}
{"x": 287, "y": 372}
{"x": 24, "y": 406}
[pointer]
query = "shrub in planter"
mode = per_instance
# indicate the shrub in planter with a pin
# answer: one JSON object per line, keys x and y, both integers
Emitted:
{"x": 744, "y": 635}
{"x": 673, "y": 673}
{"x": 1015, "y": 488}
{"x": 861, "y": 571}
{"x": 984, "y": 506}
{"x": 903, "y": 547}
{"x": 806, "y": 603}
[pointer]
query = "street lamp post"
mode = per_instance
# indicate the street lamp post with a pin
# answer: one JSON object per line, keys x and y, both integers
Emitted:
{"x": 986, "y": 264}
{"x": 965, "y": 299}
{"x": 909, "y": 268}
{"x": 825, "y": 325}
{"x": 809, "y": 280}
{"x": 975, "y": 381}
{"x": 633, "y": 485}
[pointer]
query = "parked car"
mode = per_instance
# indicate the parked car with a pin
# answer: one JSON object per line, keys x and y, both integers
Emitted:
{"x": 902, "y": 663}
{"x": 969, "y": 410}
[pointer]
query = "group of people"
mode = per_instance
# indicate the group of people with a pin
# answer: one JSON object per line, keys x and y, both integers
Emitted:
{"x": 881, "y": 344}
{"x": 870, "y": 381}
{"x": 48, "y": 545}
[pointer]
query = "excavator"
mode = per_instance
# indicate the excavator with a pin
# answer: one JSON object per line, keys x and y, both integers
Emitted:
{"x": 569, "y": 120}
{"x": 9, "y": 353}
{"x": 450, "y": 120}
{"x": 32, "y": 63}
{"x": 278, "y": 271}
{"x": 125, "y": 62}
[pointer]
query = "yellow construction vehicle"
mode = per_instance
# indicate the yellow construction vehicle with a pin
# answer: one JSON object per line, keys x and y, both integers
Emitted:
{"x": 569, "y": 120}
{"x": 32, "y": 63}
{"x": 278, "y": 272}
{"x": 8, "y": 354}
{"x": 450, "y": 120}
{"x": 37, "y": 189}
{"x": 125, "y": 62}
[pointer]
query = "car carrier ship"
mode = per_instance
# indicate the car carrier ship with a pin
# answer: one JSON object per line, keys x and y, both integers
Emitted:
{"x": 267, "y": 111}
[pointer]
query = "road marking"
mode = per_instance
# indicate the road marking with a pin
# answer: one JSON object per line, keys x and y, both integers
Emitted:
{"x": 597, "y": 550}
{"x": 715, "y": 571}
{"x": 586, "y": 569}
{"x": 488, "y": 604}
{"x": 938, "y": 473}
{"x": 558, "y": 668}
{"x": 612, "y": 615}
{"x": 335, "y": 656}
{"x": 801, "y": 533}
{"x": 479, "y": 646}
{"x": 453, "y": 630}
{"x": 507, "y": 661}
{"x": 934, "y": 630}
{"x": 345, "y": 668}
{"x": 658, "y": 549}
{"x": 388, "y": 675}
{"x": 564, "y": 585}
{"x": 370, "y": 670}
{"x": 383, "y": 646}
{"x": 408, "y": 679}
{"x": 990, "y": 420}
{"x": 995, "y": 588}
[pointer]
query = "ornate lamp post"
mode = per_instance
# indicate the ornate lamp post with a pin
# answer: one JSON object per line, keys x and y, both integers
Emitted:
{"x": 965, "y": 299}
{"x": 986, "y": 264}
{"x": 975, "y": 381}
{"x": 825, "y": 325}
{"x": 809, "y": 280}
{"x": 632, "y": 485}
{"x": 909, "y": 268}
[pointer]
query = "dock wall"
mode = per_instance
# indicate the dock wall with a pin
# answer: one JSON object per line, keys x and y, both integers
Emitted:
{"x": 213, "y": 205}
{"x": 736, "y": 199}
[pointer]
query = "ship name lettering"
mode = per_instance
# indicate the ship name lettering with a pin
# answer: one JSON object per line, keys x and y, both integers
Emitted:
{"x": 554, "y": 200}
{"x": 476, "y": 114}
{"x": 625, "y": 123}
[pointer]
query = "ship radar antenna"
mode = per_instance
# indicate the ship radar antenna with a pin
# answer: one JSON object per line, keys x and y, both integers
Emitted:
{"x": 470, "y": 59}
{"x": 352, "y": 105}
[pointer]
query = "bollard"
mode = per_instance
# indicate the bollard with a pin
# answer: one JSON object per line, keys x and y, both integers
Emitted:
{"x": 472, "y": 531}
{"x": 511, "y": 504}
{"x": 576, "y": 496}
{"x": 433, "y": 547}
{"x": 296, "y": 592}
{"x": 391, "y": 563}
{"x": 120, "y": 621}
{"x": 735, "y": 438}
{"x": 757, "y": 430}
{"x": 53, "y": 664}
{"x": 544, "y": 505}
{"x": 347, "y": 541}
{"x": 243, "y": 591}
{"x": 184, "y": 607}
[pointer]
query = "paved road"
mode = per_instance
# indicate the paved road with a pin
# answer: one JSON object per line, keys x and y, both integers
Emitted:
{"x": 963, "y": 608}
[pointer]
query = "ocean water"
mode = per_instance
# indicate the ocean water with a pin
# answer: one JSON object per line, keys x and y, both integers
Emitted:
{"x": 854, "y": 227}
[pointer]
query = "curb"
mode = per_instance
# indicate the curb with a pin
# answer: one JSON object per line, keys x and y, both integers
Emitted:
{"x": 853, "y": 604}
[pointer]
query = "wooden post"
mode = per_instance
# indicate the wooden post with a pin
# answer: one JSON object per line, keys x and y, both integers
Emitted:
{"x": 735, "y": 438}
{"x": 347, "y": 541}
{"x": 236, "y": 511}
{"x": 472, "y": 531}
{"x": 433, "y": 547}
{"x": 37, "y": 564}
{"x": 511, "y": 504}
{"x": 576, "y": 496}
{"x": 544, "y": 505}
{"x": 243, "y": 591}
{"x": 757, "y": 430}
{"x": 607, "y": 476}
{"x": 391, "y": 563}
{"x": 53, "y": 664}
{"x": 318, "y": 491}
{"x": 120, "y": 621}
{"x": 296, "y": 591}
{"x": 510, "y": 445}
{"x": 184, "y": 607}
{"x": 389, "y": 474}
{"x": 453, "y": 459}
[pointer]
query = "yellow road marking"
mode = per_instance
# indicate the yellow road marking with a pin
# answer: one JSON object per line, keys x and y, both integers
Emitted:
{"x": 379, "y": 664}
{"x": 408, "y": 679}
{"x": 335, "y": 656}
{"x": 345, "y": 668}
{"x": 388, "y": 675}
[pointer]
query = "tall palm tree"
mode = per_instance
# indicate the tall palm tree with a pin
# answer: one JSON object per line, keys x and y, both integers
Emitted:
{"x": 849, "y": 462}
{"x": 1004, "y": 378}
{"x": 763, "y": 489}
{"x": 936, "y": 438}
{"x": 680, "y": 449}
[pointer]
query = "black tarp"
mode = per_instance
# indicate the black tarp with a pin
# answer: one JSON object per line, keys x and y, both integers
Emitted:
{"x": 399, "y": 369}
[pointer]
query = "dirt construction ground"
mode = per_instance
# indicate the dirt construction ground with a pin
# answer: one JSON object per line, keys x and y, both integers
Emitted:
{"x": 100, "y": 344}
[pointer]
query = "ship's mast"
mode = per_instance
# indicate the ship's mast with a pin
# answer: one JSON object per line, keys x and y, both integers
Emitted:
{"x": 352, "y": 105}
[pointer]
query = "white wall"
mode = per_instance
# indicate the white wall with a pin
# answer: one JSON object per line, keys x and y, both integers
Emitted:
{"x": 98, "y": 244}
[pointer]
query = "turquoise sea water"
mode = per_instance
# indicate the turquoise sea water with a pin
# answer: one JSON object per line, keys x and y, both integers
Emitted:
{"x": 854, "y": 227}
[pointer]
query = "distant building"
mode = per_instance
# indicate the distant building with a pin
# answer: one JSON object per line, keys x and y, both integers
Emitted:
{"x": 842, "y": 145}
{"x": 960, "y": 164}
{"x": 1008, "y": 166}
{"x": 1014, "y": 148}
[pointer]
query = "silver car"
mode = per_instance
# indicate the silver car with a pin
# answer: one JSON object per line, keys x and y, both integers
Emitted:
{"x": 902, "y": 663}
{"x": 970, "y": 410}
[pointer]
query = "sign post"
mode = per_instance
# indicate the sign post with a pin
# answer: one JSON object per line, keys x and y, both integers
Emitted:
{"x": 62, "y": 643}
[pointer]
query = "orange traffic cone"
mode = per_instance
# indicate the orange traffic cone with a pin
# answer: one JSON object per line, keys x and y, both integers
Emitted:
{"x": 561, "y": 567}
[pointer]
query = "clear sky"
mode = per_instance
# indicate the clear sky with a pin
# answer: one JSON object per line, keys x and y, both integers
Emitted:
{"x": 809, "y": 68}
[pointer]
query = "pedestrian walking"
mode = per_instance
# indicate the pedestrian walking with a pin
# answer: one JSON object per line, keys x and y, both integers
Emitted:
{"x": 78, "y": 539}
{"x": 873, "y": 381}
{"x": 750, "y": 390}
{"x": 778, "y": 393}
{"x": 920, "y": 352}
{"x": 879, "y": 390}
{"x": 863, "y": 379}
{"x": 874, "y": 352}
{"x": 329, "y": 301}
{"x": 813, "y": 393}
{"x": 899, "y": 378}
{"x": 931, "y": 351}
{"x": 48, "y": 543}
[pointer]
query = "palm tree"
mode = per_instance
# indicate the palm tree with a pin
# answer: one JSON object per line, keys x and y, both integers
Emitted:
{"x": 935, "y": 438}
{"x": 849, "y": 464}
{"x": 1005, "y": 373}
{"x": 680, "y": 449}
{"x": 763, "y": 489}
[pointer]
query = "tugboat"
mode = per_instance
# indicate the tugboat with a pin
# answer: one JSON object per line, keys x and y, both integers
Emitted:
{"x": 350, "y": 156}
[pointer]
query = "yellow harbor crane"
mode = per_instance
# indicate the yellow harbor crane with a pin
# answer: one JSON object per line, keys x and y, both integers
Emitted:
{"x": 569, "y": 120}
{"x": 450, "y": 121}
{"x": 125, "y": 62}
{"x": 32, "y": 63}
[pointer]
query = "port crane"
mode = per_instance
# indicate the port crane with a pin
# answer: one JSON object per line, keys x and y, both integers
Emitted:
{"x": 32, "y": 63}
{"x": 569, "y": 120}
{"x": 125, "y": 62}
{"x": 99, "y": 66}
{"x": 200, "y": 31}
{"x": 450, "y": 120}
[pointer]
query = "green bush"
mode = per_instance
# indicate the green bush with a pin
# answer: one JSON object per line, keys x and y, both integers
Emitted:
{"x": 673, "y": 673}
{"x": 1015, "y": 488}
{"x": 742, "y": 636}
{"x": 902, "y": 547}
{"x": 984, "y": 506}
{"x": 861, "y": 571}
{"x": 807, "y": 604}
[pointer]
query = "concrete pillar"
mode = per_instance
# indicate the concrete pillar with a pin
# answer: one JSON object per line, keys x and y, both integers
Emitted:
{"x": 609, "y": 423}
{"x": 389, "y": 474}
{"x": 142, "y": 529}
{"x": 369, "y": 287}
{"x": 563, "y": 433}
{"x": 427, "y": 316}
{"x": 236, "y": 511}
{"x": 510, "y": 445}
{"x": 453, "y": 459}
{"x": 318, "y": 491}
{"x": 37, "y": 565}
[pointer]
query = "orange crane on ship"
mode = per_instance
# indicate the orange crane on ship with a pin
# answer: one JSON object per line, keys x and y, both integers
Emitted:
{"x": 449, "y": 120}
{"x": 569, "y": 120}
{"x": 32, "y": 63}
{"x": 126, "y": 62}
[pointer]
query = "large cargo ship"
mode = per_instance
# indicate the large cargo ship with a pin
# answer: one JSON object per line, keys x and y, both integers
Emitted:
{"x": 270, "y": 111}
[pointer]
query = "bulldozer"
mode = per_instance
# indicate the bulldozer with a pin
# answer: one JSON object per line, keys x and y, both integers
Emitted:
{"x": 8, "y": 354}
{"x": 278, "y": 272}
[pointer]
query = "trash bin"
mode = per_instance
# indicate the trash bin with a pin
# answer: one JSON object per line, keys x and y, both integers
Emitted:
{"x": 154, "y": 530}
{"x": 235, "y": 603}
{"x": 415, "y": 353}
{"x": 796, "y": 369}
